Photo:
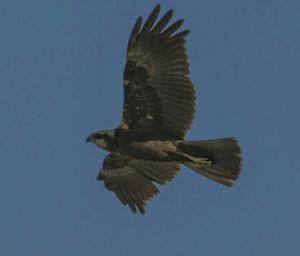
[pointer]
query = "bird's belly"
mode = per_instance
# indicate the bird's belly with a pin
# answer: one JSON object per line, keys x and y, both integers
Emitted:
{"x": 150, "y": 150}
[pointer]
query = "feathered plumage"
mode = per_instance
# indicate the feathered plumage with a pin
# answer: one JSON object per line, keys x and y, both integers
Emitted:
{"x": 159, "y": 106}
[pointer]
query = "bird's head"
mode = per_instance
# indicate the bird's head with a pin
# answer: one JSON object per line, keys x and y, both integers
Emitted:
{"x": 102, "y": 139}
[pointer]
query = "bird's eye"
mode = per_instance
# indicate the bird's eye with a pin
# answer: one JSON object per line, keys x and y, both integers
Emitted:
{"x": 98, "y": 136}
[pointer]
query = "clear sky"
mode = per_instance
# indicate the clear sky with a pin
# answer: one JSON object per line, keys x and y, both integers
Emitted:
{"x": 61, "y": 66}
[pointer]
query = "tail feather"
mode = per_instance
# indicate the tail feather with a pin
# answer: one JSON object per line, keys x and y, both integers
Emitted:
{"x": 223, "y": 155}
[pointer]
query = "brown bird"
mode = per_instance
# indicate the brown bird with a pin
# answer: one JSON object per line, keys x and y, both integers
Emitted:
{"x": 159, "y": 106}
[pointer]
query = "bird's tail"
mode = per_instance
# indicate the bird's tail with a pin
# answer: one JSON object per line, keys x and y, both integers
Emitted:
{"x": 217, "y": 159}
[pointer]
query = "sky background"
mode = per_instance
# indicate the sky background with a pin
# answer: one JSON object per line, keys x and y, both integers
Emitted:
{"x": 61, "y": 66}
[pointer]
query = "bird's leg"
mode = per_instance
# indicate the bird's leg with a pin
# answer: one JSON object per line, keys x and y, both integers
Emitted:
{"x": 196, "y": 160}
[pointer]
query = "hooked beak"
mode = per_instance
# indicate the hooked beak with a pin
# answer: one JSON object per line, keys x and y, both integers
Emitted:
{"x": 88, "y": 139}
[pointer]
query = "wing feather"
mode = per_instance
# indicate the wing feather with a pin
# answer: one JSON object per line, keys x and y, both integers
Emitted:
{"x": 132, "y": 179}
{"x": 150, "y": 21}
{"x": 135, "y": 32}
{"x": 163, "y": 22}
{"x": 157, "y": 90}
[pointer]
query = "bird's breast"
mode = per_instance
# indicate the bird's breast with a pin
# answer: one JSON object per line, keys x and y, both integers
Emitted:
{"x": 150, "y": 150}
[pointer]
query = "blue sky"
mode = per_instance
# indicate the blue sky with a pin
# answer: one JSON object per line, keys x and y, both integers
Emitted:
{"x": 61, "y": 65}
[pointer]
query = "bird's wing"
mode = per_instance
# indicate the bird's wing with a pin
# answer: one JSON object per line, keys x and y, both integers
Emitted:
{"x": 132, "y": 179}
{"x": 159, "y": 94}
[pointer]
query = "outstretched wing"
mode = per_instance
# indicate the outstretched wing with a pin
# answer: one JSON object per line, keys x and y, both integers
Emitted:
{"x": 132, "y": 179}
{"x": 159, "y": 95}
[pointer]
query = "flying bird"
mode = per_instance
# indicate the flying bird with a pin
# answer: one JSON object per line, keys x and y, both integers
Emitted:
{"x": 148, "y": 147}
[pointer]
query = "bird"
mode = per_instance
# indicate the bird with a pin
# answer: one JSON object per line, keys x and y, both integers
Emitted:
{"x": 148, "y": 147}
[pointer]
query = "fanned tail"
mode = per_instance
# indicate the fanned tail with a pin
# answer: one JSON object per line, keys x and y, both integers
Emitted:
{"x": 217, "y": 159}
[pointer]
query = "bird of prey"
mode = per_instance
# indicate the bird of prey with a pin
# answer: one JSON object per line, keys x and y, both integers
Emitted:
{"x": 148, "y": 147}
